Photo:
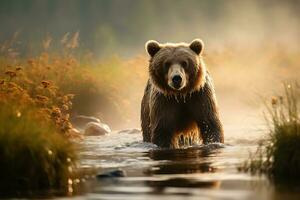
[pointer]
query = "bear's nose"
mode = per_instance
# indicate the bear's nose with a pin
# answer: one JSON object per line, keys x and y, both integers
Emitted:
{"x": 177, "y": 81}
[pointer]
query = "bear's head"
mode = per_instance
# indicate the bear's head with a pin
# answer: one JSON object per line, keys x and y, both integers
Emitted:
{"x": 176, "y": 68}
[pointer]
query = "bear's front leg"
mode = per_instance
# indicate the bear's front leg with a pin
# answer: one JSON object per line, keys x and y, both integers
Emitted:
{"x": 163, "y": 120}
{"x": 209, "y": 123}
{"x": 211, "y": 130}
{"x": 205, "y": 111}
{"x": 162, "y": 133}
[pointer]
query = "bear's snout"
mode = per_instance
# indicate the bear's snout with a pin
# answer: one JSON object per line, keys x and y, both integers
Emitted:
{"x": 176, "y": 77}
{"x": 177, "y": 81}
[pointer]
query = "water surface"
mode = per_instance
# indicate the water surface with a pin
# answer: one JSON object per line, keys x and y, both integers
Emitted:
{"x": 197, "y": 172}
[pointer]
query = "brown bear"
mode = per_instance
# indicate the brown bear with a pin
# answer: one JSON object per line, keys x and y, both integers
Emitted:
{"x": 179, "y": 103}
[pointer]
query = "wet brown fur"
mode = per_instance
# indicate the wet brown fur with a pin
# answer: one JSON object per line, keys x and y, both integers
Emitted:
{"x": 168, "y": 116}
{"x": 188, "y": 136}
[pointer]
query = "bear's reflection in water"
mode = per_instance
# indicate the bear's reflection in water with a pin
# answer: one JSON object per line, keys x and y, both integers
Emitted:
{"x": 181, "y": 162}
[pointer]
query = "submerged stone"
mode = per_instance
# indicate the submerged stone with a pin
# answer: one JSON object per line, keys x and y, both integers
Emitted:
{"x": 112, "y": 174}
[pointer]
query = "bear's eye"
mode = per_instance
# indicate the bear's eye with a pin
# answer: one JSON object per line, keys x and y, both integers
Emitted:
{"x": 184, "y": 63}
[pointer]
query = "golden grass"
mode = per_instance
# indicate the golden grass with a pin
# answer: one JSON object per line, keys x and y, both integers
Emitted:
{"x": 24, "y": 85}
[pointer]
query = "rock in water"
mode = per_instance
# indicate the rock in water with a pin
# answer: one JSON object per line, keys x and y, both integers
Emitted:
{"x": 95, "y": 129}
{"x": 112, "y": 174}
{"x": 80, "y": 121}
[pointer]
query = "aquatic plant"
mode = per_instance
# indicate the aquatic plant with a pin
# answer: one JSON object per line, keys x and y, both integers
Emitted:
{"x": 278, "y": 156}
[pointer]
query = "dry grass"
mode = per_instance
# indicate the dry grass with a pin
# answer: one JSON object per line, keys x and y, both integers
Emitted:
{"x": 36, "y": 155}
{"x": 25, "y": 85}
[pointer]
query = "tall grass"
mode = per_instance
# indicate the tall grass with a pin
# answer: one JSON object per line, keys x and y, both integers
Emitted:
{"x": 26, "y": 85}
{"x": 279, "y": 155}
{"x": 36, "y": 155}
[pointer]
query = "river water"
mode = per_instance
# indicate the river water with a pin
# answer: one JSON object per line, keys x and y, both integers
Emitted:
{"x": 197, "y": 172}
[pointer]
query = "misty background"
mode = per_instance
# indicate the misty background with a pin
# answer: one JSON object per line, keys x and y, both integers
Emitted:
{"x": 251, "y": 47}
{"x": 123, "y": 26}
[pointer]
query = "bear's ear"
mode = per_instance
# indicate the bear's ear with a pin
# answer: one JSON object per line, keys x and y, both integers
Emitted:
{"x": 152, "y": 47}
{"x": 197, "y": 46}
